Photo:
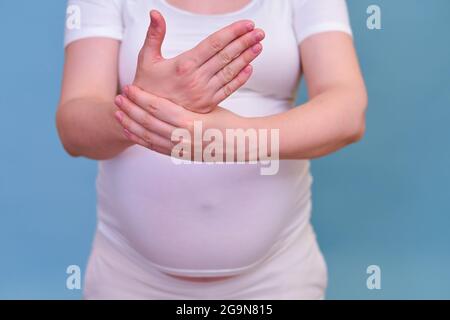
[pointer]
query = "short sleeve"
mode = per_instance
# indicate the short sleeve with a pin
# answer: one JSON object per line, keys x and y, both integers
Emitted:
{"x": 315, "y": 16}
{"x": 93, "y": 18}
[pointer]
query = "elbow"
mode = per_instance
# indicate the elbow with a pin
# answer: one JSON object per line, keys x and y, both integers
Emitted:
{"x": 63, "y": 133}
{"x": 357, "y": 127}
{"x": 70, "y": 150}
{"x": 359, "y": 131}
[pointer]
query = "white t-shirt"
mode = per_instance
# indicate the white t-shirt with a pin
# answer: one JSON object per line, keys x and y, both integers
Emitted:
{"x": 203, "y": 219}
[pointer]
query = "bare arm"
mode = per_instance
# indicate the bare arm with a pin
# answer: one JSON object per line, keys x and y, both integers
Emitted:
{"x": 335, "y": 114}
{"x": 85, "y": 117}
{"x": 333, "y": 117}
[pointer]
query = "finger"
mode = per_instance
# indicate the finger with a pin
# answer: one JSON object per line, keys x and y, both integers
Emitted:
{"x": 228, "y": 73}
{"x": 219, "y": 40}
{"x": 142, "y": 136}
{"x": 155, "y": 36}
{"x": 231, "y": 87}
{"x": 142, "y": 117}
{"x": 134, "y": 138}
{"x": 160, "y": 108}
{"x": 232, "y": 52}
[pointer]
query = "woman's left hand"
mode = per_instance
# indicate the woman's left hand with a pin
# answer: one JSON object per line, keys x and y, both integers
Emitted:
{"x": 151, "y": 121}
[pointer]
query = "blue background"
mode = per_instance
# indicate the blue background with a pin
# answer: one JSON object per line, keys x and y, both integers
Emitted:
{"x": 384, "y": 201}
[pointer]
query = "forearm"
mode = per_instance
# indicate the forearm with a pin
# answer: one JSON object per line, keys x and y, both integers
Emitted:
{"x": 325, "y": 124}
{"x": 87, "y": 128}
{"x": 328, "y": 122}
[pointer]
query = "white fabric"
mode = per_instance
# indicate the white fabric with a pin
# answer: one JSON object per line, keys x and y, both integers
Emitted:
{"x": 115, "y": 273}
{"x": 200, "y": 219}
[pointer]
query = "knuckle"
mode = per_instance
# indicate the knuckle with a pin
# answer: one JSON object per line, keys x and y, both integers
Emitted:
{"x": 240, "y": 81}
{"x": 196, "y": 97}
{"x": 184, "y": 67}
{"x": 147, "y": 121}
{"x": 126, "y": 124}
{"x": 224, "y": 57}
{"x": 157, "y": 105}
{"x": 227, "y": 90}
{"x": 249, "y": 56}
{"x": 172, "y": 144}
{"x": 236, "y": 29}
{"x": 246, "y": 42}
{"x": 125, "y": 106}
{"x": 228, "y": 74}
{"x": 147, "y": 137}
{"x": 152, "y": 33}
{"x": 215, "y": 44}
{"x": 150, "y": 108}
{"x": 129, "y": 108}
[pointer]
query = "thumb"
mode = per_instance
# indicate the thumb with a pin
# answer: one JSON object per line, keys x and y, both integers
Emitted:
{"x": 155, "y": 35}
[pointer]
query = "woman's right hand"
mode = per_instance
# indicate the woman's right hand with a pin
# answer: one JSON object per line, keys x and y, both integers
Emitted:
{"x": 204, "y": 76}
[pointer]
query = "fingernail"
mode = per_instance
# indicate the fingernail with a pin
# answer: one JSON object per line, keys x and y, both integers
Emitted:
{"x": 118, "y": 115}
{"x": 153, "y": 15}
{"x": 118, "y": 100}
{"x": 259, "y": 36}
{"x": 126, "y": 90}
{"x": 257, "y": 48}
{"x": 250, "y": 26}
{"x": 248, "y": 69}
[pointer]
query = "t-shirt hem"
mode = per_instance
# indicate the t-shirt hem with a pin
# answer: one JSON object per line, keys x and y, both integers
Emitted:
{"x": 74, "y": 35}
{"x": 325, "y": 27}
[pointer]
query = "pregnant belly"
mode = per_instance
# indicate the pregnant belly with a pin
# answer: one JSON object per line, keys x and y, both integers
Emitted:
{"x": 199, "y": 219}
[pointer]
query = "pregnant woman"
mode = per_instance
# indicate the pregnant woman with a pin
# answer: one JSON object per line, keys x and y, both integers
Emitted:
{"x": 206, "y": 230}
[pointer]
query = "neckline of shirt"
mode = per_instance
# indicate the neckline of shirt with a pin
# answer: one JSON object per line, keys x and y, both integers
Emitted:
{"x": 245, "y": 8}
